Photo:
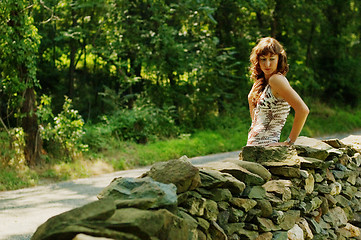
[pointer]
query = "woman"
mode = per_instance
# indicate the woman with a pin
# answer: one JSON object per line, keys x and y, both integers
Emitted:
{"x": 271, "y": 96}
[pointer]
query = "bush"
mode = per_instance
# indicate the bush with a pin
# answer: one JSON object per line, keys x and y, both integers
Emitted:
{"x": 143, "y": 123}
{"x": 63, "y": 133}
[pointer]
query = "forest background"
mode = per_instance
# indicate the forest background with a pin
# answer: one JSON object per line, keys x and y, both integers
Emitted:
{"x": 92, "y": 86}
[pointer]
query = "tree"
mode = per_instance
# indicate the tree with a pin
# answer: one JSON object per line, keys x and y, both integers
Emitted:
{"x": 19, "y": 43}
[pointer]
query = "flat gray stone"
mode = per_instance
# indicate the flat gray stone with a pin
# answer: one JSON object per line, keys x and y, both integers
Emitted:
{"x": 143, "y": 193}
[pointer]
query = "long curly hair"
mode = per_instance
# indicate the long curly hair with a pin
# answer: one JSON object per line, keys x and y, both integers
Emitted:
{"x": 264, "y": 47}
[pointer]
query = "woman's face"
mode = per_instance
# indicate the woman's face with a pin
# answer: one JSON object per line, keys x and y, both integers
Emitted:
{"x": 268, "y": 64}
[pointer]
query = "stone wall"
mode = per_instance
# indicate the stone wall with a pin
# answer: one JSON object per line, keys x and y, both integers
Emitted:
{"x": 309, "y": 191}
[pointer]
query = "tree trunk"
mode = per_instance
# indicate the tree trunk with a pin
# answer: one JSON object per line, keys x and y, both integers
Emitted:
{"x": 73, "y": 50}
{"x": 33, "y": 143}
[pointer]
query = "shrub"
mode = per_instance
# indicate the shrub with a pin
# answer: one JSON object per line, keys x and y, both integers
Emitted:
{"x": 65, "y": 130}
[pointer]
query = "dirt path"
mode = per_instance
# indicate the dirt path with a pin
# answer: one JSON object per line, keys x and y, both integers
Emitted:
{"x": 22, "y": 211}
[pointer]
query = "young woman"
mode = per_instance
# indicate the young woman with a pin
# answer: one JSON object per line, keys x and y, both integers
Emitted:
{"x": 271, "y": 96}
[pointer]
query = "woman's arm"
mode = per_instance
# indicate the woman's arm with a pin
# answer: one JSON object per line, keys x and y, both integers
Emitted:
{"x": 281, "y": 88}
{"x": 250, "y": 101}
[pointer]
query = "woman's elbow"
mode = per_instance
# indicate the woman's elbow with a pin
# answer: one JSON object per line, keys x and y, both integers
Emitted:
{"x": 305, "y": 110}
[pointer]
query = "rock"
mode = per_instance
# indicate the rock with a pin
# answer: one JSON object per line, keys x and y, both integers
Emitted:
{"x": 247, "y": 234}
{"x": 150, "y": 223}
{"x": 253, "y": 167}
{"x": 255, "y": 192}
{"x": 180, "y": 172}
{"x": 203, "y": 224}
{"x": 193, "y": 202}
{"x": 236, "y": 171}
{"x": 330, "y": 176}
{"x": 236, "y": 215}
{"x": 295, "y": 233}
{"x": 216, "y": 194}
{"x": 211, "y": 178}
{"x": 286, "y": 205}
{"x": 312, "y": 143}
{"x": 349, "y": 192}
{"x": 350, "y": 231}
{"x": 223, "y": 218}
{"x": 233, "y": 227}
{"x": 290, "y": 219}
{"x": 318, "y": 178}
{"x": 304, "y": 173}
{"x": 323, "y": 188}
{"x": 217, "y": 232}
{"x": 265, "y": 206}
{"x": 245, "y": 204}
{"x": 331, "y": 200}
{"x": 265, "y": 236}
{"x": 210, "y": 210}
{"x": 201, "y": 235}
{"x": 266, "y": 225}
{"x": 335, "y": 188}
{"x": 342, "y": 201}
{"x": 316, "y": 228}
{"x": 263, "y": 154}
{"x": 335, "y": 143}
{"x": 336, "y": 217}
{"x": 309, "y": 162}
{"x": 280, "y": 235}
{"x": 87, "y": 237}
{"x": 233, "y": 184}
{"x": 277, "y": 217}
{"x": 141, "y": 193}
{"x": 193, "y": 223}
{"x": 285, "y": 171}
{"x": 356, "y": 158}
{"x": 353, "y": 141}
{"x": 309, "y": 184}
{"x": 280, "y": 187}
{"x": 352, "y": 177}
{"x": 66, "y": 223}
{"x": 302, "y": 223}
{"x": 324, "y": 205}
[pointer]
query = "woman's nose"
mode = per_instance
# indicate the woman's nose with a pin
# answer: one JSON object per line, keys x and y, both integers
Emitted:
{"x": 268, "y": 63}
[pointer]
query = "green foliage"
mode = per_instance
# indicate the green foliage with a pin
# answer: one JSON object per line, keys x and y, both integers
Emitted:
{"x": 143, "y": 123}
{"x": 162, "y": 69}
{"x": 65, "y": 130}
{"x": 12, "y": 179}
{"x": 11, "y": 148}
{"x": 19, "y": 40}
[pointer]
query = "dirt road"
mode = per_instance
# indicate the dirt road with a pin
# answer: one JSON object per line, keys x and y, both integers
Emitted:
{"x": 22, "y": 211}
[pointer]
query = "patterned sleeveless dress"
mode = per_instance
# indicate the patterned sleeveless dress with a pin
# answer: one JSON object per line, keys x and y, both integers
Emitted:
{"x": 269, "y": 118}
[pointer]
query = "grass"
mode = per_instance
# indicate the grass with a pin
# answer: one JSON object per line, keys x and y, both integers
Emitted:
{"x": 231, "y": 135}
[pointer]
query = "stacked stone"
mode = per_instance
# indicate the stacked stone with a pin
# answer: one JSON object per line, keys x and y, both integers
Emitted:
{"x": 309, "y": 191}
{"x": 314, "y": 190}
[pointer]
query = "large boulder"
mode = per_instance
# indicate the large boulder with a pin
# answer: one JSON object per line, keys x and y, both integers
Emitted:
{"x": 141, "y": 193}
{"x": 68, "y": 224}
{"x": 180, "y": 172}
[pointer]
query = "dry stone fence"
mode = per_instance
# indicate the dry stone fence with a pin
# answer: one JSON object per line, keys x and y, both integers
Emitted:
{"x": 311, "y": 190}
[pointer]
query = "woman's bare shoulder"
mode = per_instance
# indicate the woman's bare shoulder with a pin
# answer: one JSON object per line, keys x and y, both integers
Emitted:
{"x": 278, "y": 79}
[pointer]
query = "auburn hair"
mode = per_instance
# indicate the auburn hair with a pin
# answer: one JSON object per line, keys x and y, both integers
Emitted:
{"x": 264, "y": 47}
